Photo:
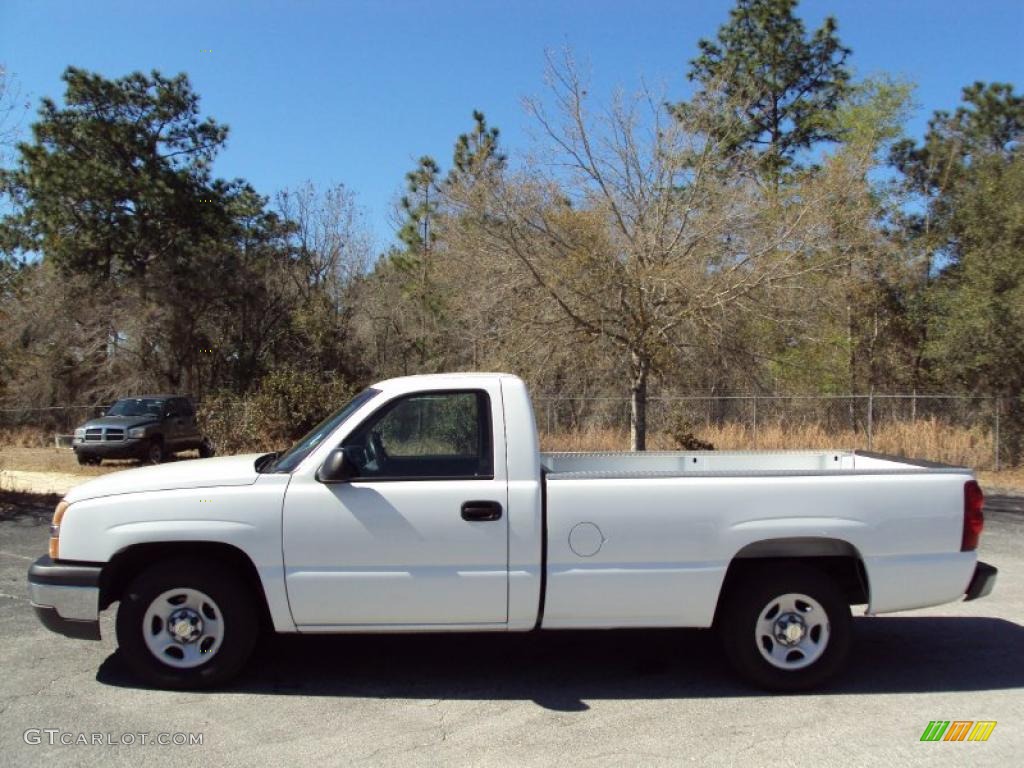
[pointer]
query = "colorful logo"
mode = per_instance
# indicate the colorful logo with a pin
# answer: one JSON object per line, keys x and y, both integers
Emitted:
{"x": 958, "y": 730}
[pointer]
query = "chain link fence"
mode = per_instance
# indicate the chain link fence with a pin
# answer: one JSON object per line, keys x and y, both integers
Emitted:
{"x": 953, "y": 428}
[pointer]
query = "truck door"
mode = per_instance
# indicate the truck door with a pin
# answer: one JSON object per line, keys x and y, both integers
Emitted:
{"x": 420, "y": 536}
{"x": 171, "y": 424}
{"x": 189, "y": 436}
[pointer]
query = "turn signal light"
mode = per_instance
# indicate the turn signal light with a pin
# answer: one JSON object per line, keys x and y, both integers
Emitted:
{"x": 974, "y": 519}
{"x": 58, "y": 515}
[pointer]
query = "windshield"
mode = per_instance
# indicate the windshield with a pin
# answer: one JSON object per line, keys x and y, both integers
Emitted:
{"x": 294, "y": 455}
{"x": 137, "y": 406}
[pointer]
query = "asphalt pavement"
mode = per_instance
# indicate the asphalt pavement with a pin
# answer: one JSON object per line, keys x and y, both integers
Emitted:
{"x": 590, "y": 698}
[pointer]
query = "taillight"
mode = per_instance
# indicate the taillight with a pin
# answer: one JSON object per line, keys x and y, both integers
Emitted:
{"x": 974, "y": 520}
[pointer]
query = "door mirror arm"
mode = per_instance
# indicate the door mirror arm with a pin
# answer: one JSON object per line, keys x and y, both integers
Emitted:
{"x": 337, "y": 468}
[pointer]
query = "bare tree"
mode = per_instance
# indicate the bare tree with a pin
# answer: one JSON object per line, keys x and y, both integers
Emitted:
{"x": 331, "y": 241}
{"x": 13, "y": 109}
{"x": 638, "y": 228}
{"x": 331, "y": 247}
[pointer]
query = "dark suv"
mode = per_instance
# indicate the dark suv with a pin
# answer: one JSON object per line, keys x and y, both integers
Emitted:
{"x": 150, "y": 428}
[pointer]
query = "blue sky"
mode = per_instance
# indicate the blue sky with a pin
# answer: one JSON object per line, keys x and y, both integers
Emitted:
{"x": 354, "y": 92}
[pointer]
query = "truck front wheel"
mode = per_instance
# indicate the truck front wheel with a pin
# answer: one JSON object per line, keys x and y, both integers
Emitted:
{"x": 785, "y": 627}
{"x": 186, "y": 623}
{"x": 206, "y": 449}
{"x": 154, "y": 451}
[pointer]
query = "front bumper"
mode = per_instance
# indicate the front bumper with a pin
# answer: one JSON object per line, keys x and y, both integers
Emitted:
{"x": 131, "y": 448}
{"x": 982, "y": 582}
{"x": 66, "y": 597}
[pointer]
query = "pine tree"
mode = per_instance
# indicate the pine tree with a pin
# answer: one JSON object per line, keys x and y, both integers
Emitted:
{"x": 476, "y": 153}
{"x": 969, "y": 174}
{"x": 782, "y": 85}
{"x": 419, "y": 205}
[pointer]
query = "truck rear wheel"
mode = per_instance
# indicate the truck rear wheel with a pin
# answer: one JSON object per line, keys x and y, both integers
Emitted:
{"x": 785, "y": 627}
{"x": 186, "y": 623}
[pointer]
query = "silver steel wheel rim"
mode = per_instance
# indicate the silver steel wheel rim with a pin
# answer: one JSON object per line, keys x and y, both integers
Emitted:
{"x": 183, "y": 628}
{"x": 792, "y": 631}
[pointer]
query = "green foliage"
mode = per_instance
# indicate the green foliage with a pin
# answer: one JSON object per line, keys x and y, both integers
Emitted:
{"x": 126, "y": 265}
{"x": 977, "y": 330}
{"x": 990, "y": 121}
{"x": 968, "y": 174}
{"x": 187, "y": 281}
{"x": 116, "y": 181}
{"x": 288, "y": 403}
{"x": 782, "y": 84}
{"x": 872, "y": 113}
{"x": 419, "y": 205}
{"x": 476, "y": 156}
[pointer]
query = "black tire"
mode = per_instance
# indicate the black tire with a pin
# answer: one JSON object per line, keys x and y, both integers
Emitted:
{"x": 750, "y": 594}
{"x": 83, "y": 459}
{"x": 238, "y": 614}
{"x": 206, "y": 449}
{"x": 154, "y": 452}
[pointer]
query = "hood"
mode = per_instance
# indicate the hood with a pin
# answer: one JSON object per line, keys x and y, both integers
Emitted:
{"x": 188, "y": 473}
{"x": 120, "y": 421}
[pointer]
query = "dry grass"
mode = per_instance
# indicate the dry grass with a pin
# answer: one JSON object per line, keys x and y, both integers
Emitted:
{"x": 26, "y": 437}
{"x": 1006, "y": 480}
{"x": 55, "y": 460}
{"x": 924, "y": 439}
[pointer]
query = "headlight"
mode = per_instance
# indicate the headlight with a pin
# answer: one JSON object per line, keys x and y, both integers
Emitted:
{"x": 80, "y": 433}
{"x": 137, "y": 432}
{"x": 58, "y": 515}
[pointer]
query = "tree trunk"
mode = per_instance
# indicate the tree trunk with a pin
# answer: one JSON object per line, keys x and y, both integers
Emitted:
{"x": 641, "y": 367}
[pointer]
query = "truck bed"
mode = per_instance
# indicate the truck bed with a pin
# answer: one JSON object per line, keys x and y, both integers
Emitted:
{"x": 645, "y": 539}
{"x": 625, "y": 464}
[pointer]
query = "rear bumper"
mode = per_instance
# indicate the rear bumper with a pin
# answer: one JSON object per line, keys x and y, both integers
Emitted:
{"x": 66, "y": 597}
{"x": 982, "y": 582}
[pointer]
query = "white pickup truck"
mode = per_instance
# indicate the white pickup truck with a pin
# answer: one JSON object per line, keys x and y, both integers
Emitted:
{"x": 425, "y": 505}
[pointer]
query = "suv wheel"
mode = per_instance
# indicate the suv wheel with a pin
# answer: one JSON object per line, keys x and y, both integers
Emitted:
{"x": 206, "y": 449}
{"x": 786, "y": 627}
{"x": 187, "y": 623}
{"x": 155, "y": 451}
{"x": 86, "y": 460}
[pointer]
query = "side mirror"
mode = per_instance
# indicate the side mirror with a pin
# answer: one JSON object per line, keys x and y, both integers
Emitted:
{"x": 337, "y": 468}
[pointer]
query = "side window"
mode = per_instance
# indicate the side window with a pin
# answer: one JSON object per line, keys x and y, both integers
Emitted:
{"x": 429, "y": 435}
{"x": 185, "y": 407}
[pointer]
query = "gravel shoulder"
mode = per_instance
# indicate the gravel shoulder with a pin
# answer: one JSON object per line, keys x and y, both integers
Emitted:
{"x": 26, "y": 481}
